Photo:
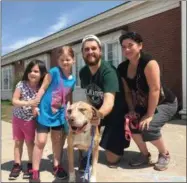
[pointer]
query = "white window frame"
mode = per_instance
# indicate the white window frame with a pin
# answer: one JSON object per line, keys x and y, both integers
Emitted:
{"x": 119, "y": 51}
{"x": 9, "y": 70}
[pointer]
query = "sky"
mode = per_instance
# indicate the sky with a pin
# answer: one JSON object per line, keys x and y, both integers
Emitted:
{"x": 24, "y": 22}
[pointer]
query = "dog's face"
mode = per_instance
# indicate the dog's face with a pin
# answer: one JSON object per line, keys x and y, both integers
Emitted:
{"x": 79, "y": 115}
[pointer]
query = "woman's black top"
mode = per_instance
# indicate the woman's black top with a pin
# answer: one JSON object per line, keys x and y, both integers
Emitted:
{"x": 139, "y": 86}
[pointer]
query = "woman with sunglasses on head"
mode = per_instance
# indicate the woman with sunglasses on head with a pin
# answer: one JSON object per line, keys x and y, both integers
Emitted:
{"x": 147, "y": 98}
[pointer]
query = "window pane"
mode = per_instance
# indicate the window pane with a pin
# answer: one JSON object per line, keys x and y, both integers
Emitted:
{"x": 103, "y": 52}
{"x": 10, "y": 79}
{"x": 5, "y": 79}
{"x": 115, "y": 54}
{"x": 109, "y": 47}
{"x": 112, "y": 54}
{"x": 2, "y": 78}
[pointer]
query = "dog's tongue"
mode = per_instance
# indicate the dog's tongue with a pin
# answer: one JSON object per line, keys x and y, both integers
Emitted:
{"x": 78, "y": 129}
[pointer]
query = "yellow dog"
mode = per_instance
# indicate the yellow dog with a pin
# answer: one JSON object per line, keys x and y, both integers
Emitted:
{"x": 79, "y": 116}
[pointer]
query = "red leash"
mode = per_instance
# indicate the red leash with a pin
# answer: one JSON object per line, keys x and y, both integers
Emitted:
{"x": 130, "y": 121}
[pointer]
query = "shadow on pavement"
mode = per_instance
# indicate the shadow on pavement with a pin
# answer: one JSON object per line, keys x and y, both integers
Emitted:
{"x": 124, "y": 162}
{"x": 46, "y": 164}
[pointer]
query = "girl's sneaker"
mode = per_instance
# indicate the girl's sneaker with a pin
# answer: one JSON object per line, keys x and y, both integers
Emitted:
{"x": 28, "y": 172}
{"x": 16, "y": 169}
{"x": 59, "y": 172}
{"x": 35, "y": 176}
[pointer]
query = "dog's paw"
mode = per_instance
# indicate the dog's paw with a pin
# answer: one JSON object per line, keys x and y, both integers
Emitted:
{"x": 93, "y": 179}
{"x": 72, "y": 177}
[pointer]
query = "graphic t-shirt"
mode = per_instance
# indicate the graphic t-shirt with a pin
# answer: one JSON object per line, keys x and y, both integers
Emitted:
{"x": 105, "y": 80}
{"x": 53, "y": 102}
{"x": 27, "y": 93}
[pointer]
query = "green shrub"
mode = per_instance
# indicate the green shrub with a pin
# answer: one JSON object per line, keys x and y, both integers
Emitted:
{"x": 6, "y": 102}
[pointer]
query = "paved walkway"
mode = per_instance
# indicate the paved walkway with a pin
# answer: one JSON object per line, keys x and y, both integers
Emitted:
{"x": 174, "y": 134}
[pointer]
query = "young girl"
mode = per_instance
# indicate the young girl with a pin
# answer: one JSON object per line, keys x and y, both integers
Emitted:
{"x": 23, "y": 122}
{"x": 58, "y": 85}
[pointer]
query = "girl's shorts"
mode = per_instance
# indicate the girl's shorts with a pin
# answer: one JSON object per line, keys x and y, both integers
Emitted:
{"x": 23, "y": 130}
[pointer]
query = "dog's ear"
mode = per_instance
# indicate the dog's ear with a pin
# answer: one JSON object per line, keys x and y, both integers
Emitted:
{"x": 66, "y": 113}
{"x": 96, "y": 113}
{"x": 68, "y": 105}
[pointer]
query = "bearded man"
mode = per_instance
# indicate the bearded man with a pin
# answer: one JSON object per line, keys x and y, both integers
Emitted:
{"x": 103, "y": 88}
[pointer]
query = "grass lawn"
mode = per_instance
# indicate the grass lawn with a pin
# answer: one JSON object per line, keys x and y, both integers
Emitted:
{"x": 6, "y": 110}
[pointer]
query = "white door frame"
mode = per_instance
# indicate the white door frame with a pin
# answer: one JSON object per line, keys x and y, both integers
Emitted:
{"x": 183, "y": 44}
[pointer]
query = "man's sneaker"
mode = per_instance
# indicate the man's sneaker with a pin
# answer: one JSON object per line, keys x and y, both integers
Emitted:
{"x": 163, "y": 162}
{"x": 83, "y": 163}
{"x": 16, "y": 169}
{"x": 35, "y": 176}
{"x": 141, "y": 159}
{"x": 59, "y": 172}
{"x": 27, "y": 173}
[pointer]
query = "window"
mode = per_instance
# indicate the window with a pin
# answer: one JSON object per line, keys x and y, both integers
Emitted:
{"x": 6, "y": 78}
{"x": 111, "y": 53}
{"x": 103, "y": 51}
{"x": 79, "y": 65}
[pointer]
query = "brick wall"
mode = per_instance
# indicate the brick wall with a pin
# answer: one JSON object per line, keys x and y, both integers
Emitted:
{"x": 54, "y": 57}
{"x": 162, "y": 38}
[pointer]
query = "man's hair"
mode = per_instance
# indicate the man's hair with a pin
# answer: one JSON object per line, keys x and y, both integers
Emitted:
{"x": 91, "y": 38}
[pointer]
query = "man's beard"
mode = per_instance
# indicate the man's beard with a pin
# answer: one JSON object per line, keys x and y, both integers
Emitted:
{"x": 92, "y": 63}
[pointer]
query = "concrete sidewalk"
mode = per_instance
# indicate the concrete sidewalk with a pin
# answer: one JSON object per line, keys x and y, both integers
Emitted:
{"x": 174, "y": 134}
